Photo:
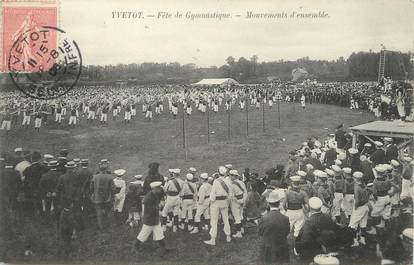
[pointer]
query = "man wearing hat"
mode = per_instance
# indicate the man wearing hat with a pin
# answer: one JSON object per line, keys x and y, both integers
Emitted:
{"x": 330, "y": 156}
{"x": 203, "y": 204}
{"x": 172, "y": 189}
{"x": 339, "y": 189}
{"x": 325, "y": 193}
{"x": 296, "y": 200}
{"x": 391, "y": 149}
{"x": 317, "y": 233}
{"x": 381, "y": 210}
{"x": 219, "y": 198}
{"x": 378, "y": 156}
{"x": 151, "y": 219}
{"x": 188, "y": 195}
{"x": 70, "y": 193}
{"x": 32, "y": 175}
{"x": 359, "y": 216}
{"x": 273, "y": 229}
{"x": 133, "y": 200}
{"x": 239, "y": 192}
{"x": 119, "y": 194}
{"x": 48, "y": 190}
{"x": 85, "y": 176}
{"x": 101, "y": 188}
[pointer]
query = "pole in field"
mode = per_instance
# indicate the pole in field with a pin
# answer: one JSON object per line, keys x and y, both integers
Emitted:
{"x": 183, "y": 126}
{"x": 263, "y": 114}
{"x": 208, "y": 123}
{"x": 228, "y": 121}
{"x": 247, "y": 117}
{"x": 278, "y": 111}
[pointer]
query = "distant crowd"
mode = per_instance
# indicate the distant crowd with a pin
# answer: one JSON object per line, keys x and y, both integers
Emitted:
{"x": 103, "y": 104}
{"x": 331, "y": 199}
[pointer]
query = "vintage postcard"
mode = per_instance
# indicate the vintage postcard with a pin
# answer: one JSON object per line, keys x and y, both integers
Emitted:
{"x": 206, "y": 132}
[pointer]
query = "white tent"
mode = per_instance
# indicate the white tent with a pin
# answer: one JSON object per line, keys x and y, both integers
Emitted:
{"x": 216, "y": 81}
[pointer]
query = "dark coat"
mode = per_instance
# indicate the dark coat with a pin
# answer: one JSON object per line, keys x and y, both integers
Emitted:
{"x": 308, "y": 243}
{"x": 391, "y": 153}
{"x": 152, "y": 211}
{"x": 48, "y": 182}
{"x": 330, "y": 157}
{"x": 377, "y": 157}
{"x": 274, "y": 228}
{"x": 33, "y": 173}
{"x": 101, "y": 188}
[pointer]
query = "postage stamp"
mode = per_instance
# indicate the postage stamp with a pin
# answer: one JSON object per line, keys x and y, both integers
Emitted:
{"x": 43, "y": 62}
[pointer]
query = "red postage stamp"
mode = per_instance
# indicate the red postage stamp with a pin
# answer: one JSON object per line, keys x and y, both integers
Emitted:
{"x": 22, "y": 21}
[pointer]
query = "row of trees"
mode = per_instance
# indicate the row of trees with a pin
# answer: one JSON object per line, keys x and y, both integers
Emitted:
{"x": 361, "y": 66}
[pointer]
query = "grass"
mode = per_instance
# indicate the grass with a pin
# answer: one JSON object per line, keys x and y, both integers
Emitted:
{"x": 133, "y": 146}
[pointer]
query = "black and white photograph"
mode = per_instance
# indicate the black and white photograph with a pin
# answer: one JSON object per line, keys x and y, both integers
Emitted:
{"x": 207, "y": 132}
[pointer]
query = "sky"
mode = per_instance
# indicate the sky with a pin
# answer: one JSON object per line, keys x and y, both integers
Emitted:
{"x": 351, "y": 25}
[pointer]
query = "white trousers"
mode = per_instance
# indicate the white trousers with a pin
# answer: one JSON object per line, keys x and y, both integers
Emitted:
{"x": 26, "y": 120}
{"x": 172, "y": 204}
{"x": 202, "y": 209}
{"x": 296, "y": 220}
{"x": 219, "y": 207}
{"x": 359, "y": 217}
{"x": 6, "y": 125}
{"x": 147, "y": 230}
{"x": 187, "y": 207}
{"x": 337, "y": 202}
{"x": 72, "y": 120}
{"x": 236, "y": 211}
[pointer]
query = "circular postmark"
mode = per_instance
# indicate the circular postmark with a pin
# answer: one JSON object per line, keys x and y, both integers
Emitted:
{"x": 44, "y": 63}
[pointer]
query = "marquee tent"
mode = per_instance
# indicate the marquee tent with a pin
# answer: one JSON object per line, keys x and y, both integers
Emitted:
{"x": 216, "y": 81}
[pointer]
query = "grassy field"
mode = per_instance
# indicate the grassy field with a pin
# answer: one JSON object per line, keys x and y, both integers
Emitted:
{"x": 133, "y": 146}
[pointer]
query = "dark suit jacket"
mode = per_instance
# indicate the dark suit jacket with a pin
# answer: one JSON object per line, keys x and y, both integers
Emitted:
{"x": 391, "y": 153}
{"x": 330, "y": 157}
{"x": 308, "y": 243}
{"x": 377, "y": 157}
{"x": 33, "y": 173}
{"x": 151, "y": 209}
{"x": 274, "y": 228}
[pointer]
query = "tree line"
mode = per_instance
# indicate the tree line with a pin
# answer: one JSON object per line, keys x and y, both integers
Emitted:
{"x": 360, "y": 66}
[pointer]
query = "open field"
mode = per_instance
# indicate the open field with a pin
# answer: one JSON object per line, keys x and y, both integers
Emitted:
{"x": 133, "y": 146}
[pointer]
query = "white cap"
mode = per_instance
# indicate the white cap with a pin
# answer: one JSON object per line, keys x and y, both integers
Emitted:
{"x": 189, "y": 176}
{"x": 363, "y": 158}
{"x": 353, "y": 151}
{"x": 317, "y": 173}
{"x": 176, "y": 171}
{"x": 295, "y": 178}
{"x": 367, "y": 145}
{"x": 315, "y": 203}
{"x": 347, "y": 170}
{"x": 301, "y": 173}
{"x": 330, "y": 172}
{"x": 309, "y": 167}
{"x": 192, "y": 169}
{"x": 378, "y": 143}
{"x": 325, "y": 260}
{"x": 204, "y": 175}
{"x": 234, "y": 172}
{"x": 48, "y": 156}
{"x": 323, "y": 175}
{"x": 155, "y": 184}
{"x": 358, "y": 175}
{"x": 138, "y": 176}
{"x": 407, "y": 159}
{"x": 222, "y": 170}
{"x": 387, "y": 262}
{"x": 18, "y": 149}
{"x": 229, "y": 166}
{"x": 380, "y": 168}
{"x": 338, "y": 162}
{"x": 275, "y": 196}
{"x": 336, "y": 168}
{"x": 119, "y": 172}
{"x": 387, "y": 139}
{"x": 394, "y": 163}
{"x": 171, "y": 170}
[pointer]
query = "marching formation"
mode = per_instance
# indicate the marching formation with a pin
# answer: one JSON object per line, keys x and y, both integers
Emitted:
{"x": 101, "y": 104}
{"x": 329, "y": 198}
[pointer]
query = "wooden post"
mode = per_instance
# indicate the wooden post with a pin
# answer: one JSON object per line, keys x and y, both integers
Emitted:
{"x": 208, "y": 123}
{"x": 246, "y": 105}
{"x": 228, "y": 122}
{"x": 263, "y": 114}
{"x": 354, "y": 139}
{"x": 278, "y": 111}
{"x": 183, "y": 126}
